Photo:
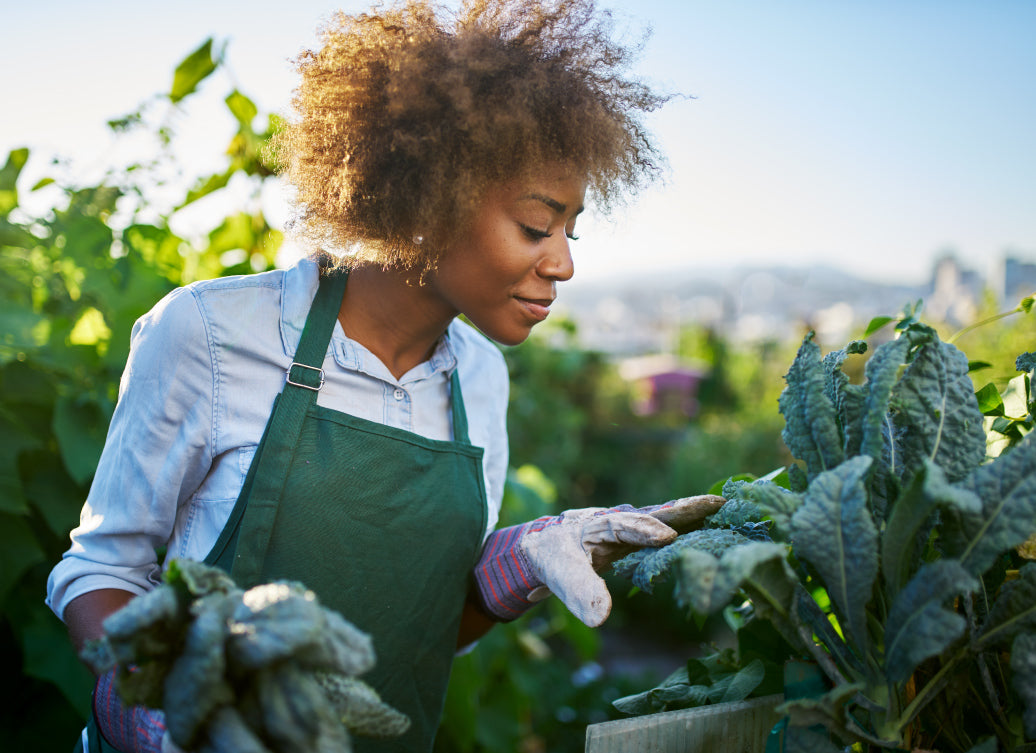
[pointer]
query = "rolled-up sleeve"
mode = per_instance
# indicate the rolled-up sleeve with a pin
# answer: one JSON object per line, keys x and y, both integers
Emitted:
{"x": 157, "y": 452}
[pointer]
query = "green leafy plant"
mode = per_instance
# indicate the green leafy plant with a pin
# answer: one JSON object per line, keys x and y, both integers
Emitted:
{"x": 73, "y": 279}
{"x": 264, "y": 669}
{"x": 895, "y": 554}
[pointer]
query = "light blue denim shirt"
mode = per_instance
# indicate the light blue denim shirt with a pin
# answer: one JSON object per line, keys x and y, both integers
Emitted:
{"x": 205, "y": 365}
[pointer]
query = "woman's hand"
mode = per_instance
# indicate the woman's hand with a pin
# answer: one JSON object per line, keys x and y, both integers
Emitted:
{"x": 562, "y": 555}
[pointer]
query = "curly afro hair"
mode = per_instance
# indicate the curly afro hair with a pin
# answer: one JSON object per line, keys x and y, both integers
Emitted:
{"x": 404, "y": 116}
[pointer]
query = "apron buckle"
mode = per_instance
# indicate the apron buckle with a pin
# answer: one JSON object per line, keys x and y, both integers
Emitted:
{"x": 315, "y": 388}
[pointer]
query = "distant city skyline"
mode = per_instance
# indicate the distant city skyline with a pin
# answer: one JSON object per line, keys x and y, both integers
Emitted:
{"x": 868, "y": 136}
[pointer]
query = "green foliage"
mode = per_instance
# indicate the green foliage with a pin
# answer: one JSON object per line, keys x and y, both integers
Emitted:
{"x": 72, "y": 282}
{"x": 725, "y": 675}
{"x": 268, "y": 667}
{"x": 896, "y": 564}
{"x": 647, "y": 565}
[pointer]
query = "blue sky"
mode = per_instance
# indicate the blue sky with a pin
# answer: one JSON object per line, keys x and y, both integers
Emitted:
{"x": 867, "y": 135}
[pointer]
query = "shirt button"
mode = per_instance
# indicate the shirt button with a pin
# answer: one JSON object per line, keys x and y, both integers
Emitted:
{"x": 399, "y": 394}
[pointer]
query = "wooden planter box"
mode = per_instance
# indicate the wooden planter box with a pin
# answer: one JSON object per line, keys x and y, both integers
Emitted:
{"x": 740, "y": 727}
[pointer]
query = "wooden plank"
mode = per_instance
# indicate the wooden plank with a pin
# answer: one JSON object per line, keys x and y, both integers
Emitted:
{"x": 722, "y": 728}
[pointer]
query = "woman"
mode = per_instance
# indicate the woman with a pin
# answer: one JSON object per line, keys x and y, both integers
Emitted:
{"x": 444, "y": 168}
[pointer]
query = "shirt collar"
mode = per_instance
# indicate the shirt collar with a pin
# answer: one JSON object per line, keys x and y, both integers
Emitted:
{"x": 300, "y": 284}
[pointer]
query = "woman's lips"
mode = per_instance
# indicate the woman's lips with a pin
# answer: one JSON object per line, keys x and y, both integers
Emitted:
{"x": 538, "y": 308}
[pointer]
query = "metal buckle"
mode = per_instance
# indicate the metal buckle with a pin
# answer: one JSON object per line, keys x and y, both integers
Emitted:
{"x": 311, "y": 368}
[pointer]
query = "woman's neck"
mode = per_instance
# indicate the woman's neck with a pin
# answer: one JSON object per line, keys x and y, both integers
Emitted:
{"x": 392, "y": 315}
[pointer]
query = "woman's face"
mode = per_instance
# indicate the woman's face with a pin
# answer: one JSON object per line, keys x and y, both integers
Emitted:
{"x": 502, "y": 272}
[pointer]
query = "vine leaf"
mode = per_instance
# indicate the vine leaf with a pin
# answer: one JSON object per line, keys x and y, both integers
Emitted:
{"x": 192, "y": 70}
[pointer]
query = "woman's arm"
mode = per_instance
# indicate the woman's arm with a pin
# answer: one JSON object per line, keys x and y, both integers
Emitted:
{"x": 85, "y": 614}
{"x": 474, "y": 623}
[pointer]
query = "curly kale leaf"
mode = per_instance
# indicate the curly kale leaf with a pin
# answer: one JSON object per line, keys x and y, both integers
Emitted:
{"x": 881, "y": 372}
{"x": 772, "y": 501}
{"x": 1014, "y": 611}
{"x": 196, "y": 684}
{"x": 295, "y": 709}
{"x": 145, "y": 635}
{"x": 735, "y": 514}
{"x": 936, "y": 414}
{"x": 652, "y": 564}
{"x": 912, "y": 519}
{"x": 675, "y": 692}
{"x": 848, "y": 399}
{"x": 1025, "y": 362}
{"x": 708, "y": 581}
{"x": 1023, "y": 669}
{"x": 697, "y": 684}
{"x": 243, "y": 670}
{"x": 811, "y": 429}
{"x": 198, "y": 580}
{"x": 1007, "y": 489}
{"x": 360, "y": 708}
{"x": 835, "y": 533}
{"x": 920, "y": 624}
{"x": 280, "y": 620}
{"x": 229, "y": 731}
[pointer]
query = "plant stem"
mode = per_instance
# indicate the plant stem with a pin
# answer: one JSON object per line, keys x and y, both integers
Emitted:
{"x": 931, "y": 688}
{"x": 983, "y": 665}
{"x": 822, "y": 657}
{"x": 1019, "y": 309}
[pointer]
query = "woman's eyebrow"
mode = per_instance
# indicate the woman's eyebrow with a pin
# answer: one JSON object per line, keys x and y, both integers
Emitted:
{"x": 554, "y": 204}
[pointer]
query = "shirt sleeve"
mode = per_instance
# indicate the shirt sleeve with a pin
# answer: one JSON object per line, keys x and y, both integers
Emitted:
{"x": 497, "y": 453}
{"x": 157, "y": 452}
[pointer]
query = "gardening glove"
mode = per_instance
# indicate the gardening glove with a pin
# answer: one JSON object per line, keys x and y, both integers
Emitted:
{"x": 563, "y": 554}
{"x": 133, "y": 729}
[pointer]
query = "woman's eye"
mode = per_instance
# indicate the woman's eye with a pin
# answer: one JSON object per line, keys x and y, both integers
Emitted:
{"x": 533, "y": 233}
{"x": 572, "y": 236}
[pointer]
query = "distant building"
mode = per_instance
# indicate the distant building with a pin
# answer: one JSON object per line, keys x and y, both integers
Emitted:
{"x": 956, "y": 293}
{"x": 662, "y": 384}
{"x": 1019, "y": 280}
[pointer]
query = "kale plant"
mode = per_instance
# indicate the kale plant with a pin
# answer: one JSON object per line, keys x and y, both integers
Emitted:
{"x": 265, "y": 670}
{"x": 895, "y": 560}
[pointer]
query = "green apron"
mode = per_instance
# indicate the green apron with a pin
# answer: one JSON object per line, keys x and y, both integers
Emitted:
{"x": 383, "y": 524}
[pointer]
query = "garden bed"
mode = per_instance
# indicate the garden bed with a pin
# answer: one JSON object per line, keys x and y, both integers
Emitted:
{"x": 741, "y": 727}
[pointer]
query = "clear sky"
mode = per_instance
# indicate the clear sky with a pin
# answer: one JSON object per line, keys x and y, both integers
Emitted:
{"x": 868, "y": 135}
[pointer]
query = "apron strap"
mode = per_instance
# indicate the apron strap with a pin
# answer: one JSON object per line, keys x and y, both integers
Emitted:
{"x": 304, "y": 380}
{"x": 460, "y": 416}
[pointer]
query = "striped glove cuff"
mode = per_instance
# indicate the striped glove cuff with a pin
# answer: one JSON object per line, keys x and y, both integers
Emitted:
{"x": 131, "y": 729}
{"x": 503, "y": 576}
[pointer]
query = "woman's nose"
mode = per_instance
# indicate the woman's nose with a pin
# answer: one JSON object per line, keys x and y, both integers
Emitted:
{"x": 557, "y": 263}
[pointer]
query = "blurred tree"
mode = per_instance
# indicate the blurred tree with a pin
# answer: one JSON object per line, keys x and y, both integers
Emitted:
{"x": 72, "y": 282}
